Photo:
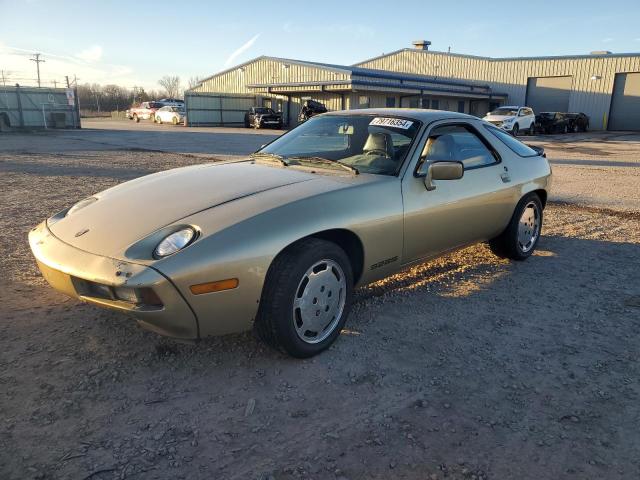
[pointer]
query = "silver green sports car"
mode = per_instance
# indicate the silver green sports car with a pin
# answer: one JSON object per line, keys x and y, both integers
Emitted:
{"x": 277, "y": 242}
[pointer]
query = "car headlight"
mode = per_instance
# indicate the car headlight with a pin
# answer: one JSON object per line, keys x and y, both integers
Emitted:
{"x": 174, "y": 243}
{"x": 508, "y": 120}
{"x": 81, "y": 204}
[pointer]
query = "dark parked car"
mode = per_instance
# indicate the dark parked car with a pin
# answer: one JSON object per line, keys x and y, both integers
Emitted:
{"x": 553, "y": 122}
{"x": 311, "y": 108}
{"x": 259, "y": 117}
{"x": 579, "y": 121}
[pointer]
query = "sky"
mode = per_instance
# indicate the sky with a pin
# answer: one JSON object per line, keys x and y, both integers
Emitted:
{"x": 136, "y": 43}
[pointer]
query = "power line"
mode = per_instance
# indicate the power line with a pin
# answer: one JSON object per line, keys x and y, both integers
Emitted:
{"x": 38, "y": 60}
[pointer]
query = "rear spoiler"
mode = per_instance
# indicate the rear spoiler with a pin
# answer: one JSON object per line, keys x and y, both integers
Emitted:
{"x": 539, "y": 150}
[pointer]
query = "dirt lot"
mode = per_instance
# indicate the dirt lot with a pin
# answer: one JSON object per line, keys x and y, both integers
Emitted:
{"x": 467, "y": 367}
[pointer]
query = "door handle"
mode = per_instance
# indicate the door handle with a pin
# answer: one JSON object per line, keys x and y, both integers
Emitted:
{"x": 505, "y": 175}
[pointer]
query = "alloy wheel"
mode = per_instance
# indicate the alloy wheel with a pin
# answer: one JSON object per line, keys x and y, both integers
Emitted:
{"x": 529, "y": 227}
{"x": 319, "y": 301}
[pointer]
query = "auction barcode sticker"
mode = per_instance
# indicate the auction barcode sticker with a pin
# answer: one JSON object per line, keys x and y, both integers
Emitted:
{"x": 392, "y": 122}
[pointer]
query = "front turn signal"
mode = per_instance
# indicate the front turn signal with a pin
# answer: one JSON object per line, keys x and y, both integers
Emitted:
{"x": 218, "y": 286}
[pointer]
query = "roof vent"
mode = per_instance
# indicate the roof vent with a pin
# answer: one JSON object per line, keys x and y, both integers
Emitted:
{"x": 421, "y": 44}
{"x": 601, "y": 52}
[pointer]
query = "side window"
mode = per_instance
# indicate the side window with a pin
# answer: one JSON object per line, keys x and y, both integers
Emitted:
{"x": 459, "y": 143}
{"x": 513, "y": 143}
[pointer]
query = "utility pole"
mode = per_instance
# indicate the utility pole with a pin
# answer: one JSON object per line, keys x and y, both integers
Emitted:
{"x": 38, "y": 60}
{"x": 55, "y": 84}
{"x": 66, "y": 77}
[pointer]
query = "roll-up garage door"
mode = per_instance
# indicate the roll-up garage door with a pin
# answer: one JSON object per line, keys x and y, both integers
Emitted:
{"x": 549, "y": 94}
{"x": 625, "y": 102}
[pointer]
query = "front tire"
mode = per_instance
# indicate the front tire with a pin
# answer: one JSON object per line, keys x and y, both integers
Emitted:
{"x": 519, "y": 239}
{"x": 158, "y": 120}
{"x": 306, "y": 298}
{"x": 175, "y": 120}
{"x": 515, "y": 130}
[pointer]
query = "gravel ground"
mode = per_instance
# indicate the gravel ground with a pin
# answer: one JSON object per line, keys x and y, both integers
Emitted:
{"x": 467, "y": 367}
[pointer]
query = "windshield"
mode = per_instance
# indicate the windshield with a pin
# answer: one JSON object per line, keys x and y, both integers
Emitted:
{"x": 264, "y": 111}
{"x": 510, "y": 112}
{"x": 370, "y": 144}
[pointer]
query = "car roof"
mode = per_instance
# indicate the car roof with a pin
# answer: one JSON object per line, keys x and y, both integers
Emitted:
{"x": 422, "y": 114}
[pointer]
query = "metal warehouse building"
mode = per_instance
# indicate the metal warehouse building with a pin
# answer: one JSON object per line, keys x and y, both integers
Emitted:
{"x": 605, "y": 86}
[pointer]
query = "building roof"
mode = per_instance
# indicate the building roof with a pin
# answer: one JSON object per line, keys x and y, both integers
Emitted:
{"x": 359, "y": 72}
{"x": 500, "y": 59}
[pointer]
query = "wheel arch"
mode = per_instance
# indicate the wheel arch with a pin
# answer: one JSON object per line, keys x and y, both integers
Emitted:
{"x": 543, "y": 196}
{"x": 345, "y": 239}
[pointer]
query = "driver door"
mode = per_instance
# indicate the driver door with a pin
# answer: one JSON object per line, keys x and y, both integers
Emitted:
{"x": 474, "y": 208}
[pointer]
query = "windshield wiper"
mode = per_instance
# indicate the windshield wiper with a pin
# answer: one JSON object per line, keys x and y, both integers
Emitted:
{"x": 327, "y": 162}
{"x": 269, "y": 156}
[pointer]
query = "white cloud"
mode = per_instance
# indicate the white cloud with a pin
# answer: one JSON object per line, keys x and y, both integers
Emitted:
{"x": 607, "y": 40}
{"x": 91, "y": 54}
{"x": 18, "y": 68}
{"x": 241, "y": 50}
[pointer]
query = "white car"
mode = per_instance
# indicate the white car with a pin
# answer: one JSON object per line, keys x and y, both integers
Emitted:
{"x": 513, "y": 119}
{"x": 170, "y": 114}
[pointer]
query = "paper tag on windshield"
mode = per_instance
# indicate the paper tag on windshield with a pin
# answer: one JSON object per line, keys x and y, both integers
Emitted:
{"x": 392, "y": 122}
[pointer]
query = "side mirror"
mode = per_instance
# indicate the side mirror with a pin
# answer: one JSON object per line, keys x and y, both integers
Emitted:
{"x": 442, "y": 171}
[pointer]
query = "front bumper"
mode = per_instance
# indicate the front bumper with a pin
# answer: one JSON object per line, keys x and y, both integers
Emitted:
{"x": 70, "y": 270}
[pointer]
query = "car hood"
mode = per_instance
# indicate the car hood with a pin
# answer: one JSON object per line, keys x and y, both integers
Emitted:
{"x": 130, "y": 211}
{"x": 498, "y": 118}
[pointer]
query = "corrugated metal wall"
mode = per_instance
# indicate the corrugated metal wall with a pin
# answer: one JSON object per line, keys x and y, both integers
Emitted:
{"x": 265, "y": 70}
{"x": 38, "y": 107}
{"x": 589, "y": 95}
{"x": 217, "y": 109}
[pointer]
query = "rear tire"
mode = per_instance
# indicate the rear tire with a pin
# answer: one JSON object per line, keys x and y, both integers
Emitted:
{"x": 532, "y": 129}
{"x": 175, "y": 120}
{"x": 520, "y": 238}
{"x": 306, "y": 298}
{"x": 135, "y": 118}
{"x": 157, "y": 120}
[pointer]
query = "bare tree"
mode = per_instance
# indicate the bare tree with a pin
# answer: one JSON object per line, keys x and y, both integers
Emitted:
{"x": 171, "y": 85}
{"x": 194, "y": 82}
